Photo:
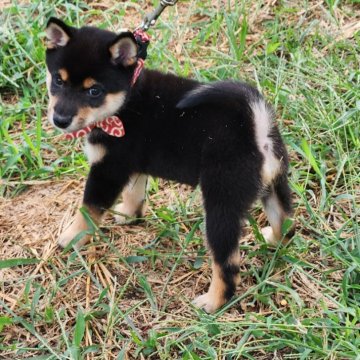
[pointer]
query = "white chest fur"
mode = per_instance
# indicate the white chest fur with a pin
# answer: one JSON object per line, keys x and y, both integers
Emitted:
{"x": 94, "y": 152}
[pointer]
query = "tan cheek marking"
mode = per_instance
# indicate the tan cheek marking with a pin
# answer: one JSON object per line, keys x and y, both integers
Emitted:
{"x": 88, "y": 115}
{"x": 84, "y": 112}
{"x": 48, "y": 79}
{"x": 52, "y": 99}
{"x": 88, "y": 83}
{"x": 52, "y": 102}
{"x": 113, "y": 102}
{"x": 64, "y": 74}
{"x": 117, "y": 98}
{"x": 82, "y": 115}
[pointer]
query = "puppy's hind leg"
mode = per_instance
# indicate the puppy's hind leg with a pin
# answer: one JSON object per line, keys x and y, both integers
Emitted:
{"x": 133, "y": 197}
{"x": 226, "y": 204}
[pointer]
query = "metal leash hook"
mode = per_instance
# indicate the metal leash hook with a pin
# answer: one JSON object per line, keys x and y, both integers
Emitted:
{"x": 141, "y": 37}
{"x": 151, "y": 18}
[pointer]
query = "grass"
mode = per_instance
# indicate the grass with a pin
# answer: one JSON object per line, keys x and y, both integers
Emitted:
{"x": 129, "y": 294}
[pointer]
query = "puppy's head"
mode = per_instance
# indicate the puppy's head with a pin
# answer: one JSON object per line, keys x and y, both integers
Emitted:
{"x": 89, "y": 73}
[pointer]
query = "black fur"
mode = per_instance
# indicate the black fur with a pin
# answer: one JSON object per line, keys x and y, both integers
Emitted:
{"x": 176, "y": 130}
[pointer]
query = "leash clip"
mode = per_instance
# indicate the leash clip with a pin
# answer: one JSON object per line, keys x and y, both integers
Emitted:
{"x": 150, "y": 19}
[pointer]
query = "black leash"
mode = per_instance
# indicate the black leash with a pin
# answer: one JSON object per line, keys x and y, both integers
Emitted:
{"x": 141, "y": 37}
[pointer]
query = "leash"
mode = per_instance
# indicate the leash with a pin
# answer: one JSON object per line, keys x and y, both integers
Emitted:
{"x": 141, "y": 37}
{"x": 113, "y": 125}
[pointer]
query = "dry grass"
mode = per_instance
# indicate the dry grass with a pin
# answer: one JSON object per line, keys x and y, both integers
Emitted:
{"x": 31, "y": 223}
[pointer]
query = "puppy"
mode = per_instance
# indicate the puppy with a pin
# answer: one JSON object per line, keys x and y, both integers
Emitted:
{"x": 221, "y": 136}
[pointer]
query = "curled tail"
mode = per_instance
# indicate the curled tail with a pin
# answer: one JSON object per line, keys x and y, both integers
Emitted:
{"x": 222, "y": 92}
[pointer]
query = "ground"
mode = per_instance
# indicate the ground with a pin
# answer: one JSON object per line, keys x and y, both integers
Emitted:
{"x": 128, "y": 294}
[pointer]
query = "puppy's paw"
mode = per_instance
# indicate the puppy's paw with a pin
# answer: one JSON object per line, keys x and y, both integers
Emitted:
{"x": 209, "y": 303}
{"x": 77, "y": 226}
{"x": 69, "y": 234}
{"x": 269, "y": 236}
{"x": 126, "y": 214}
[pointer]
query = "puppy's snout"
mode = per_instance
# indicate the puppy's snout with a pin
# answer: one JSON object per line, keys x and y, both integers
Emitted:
{"x": 62, "y": 121}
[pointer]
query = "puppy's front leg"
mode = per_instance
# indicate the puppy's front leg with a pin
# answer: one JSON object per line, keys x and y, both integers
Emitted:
{"x": 102, "y": 188}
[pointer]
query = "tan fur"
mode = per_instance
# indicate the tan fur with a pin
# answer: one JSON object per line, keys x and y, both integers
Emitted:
{"x": 78, "y": 225}
{"x": 88, "y": 83}
{"x": 94, "y": 152}
{"x": 215, "y": 297}
{"x": 113, "y": 100}
{"x": 133, "y": 198}
{"x": 48, "y": 80}
{"x": 52, "y": 99}
{"x": 64, "y": 74}
{"x": 269, "y": 173}
{"x": 88, "y": 115}
{"x": 235, "y": 260}
{"x": 80, "y": 120}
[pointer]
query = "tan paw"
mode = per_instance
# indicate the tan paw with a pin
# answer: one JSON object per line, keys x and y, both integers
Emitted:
{"x": 124, "y": 216}
{"x": 127, "y": 214}
{"x": 208, "y": 303}
{"x": 269, "y": 236}
{"x": 69, "y": 234}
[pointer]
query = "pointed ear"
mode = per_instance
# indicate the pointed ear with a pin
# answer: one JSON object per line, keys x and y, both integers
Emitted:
{"x": 124, "y": 50}
{"x": 58, "y": 33}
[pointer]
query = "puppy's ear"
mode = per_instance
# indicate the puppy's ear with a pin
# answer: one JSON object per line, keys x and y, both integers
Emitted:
{"x": 124, "y": 50}
{"x": 58, "y": 33}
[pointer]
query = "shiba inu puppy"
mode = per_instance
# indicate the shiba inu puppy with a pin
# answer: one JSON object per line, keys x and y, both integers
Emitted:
{"x": 220, "y": 135}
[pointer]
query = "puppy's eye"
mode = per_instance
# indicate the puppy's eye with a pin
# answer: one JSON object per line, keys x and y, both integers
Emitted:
{"x": 58, "y": 81}
{"x": 94, "y": 91}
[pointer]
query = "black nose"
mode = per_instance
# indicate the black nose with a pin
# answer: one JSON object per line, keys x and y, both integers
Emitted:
{"x": 62, "y": 121}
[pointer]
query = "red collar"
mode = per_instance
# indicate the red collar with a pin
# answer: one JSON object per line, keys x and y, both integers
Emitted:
{"x": 111, "y": 125}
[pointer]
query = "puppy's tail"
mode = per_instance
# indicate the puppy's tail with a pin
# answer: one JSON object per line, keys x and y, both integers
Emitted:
{"x": 228, "y": 93}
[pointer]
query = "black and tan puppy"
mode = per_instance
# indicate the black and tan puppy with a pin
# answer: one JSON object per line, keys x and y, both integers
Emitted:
{"x": 220, "y": 135}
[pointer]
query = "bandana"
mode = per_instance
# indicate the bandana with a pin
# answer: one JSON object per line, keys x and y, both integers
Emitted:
{"x": 111, "y": 125}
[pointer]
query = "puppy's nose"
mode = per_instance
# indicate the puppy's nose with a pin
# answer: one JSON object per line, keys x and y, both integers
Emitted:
{"x": 62, "y": 121}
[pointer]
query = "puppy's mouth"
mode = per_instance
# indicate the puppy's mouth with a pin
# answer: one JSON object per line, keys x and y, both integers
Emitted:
{"x": 85, "y": 116}
{"x": 70, "y": 123}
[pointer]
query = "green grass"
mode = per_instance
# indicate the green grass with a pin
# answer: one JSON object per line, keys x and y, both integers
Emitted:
{"x": 301, "y": 301}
